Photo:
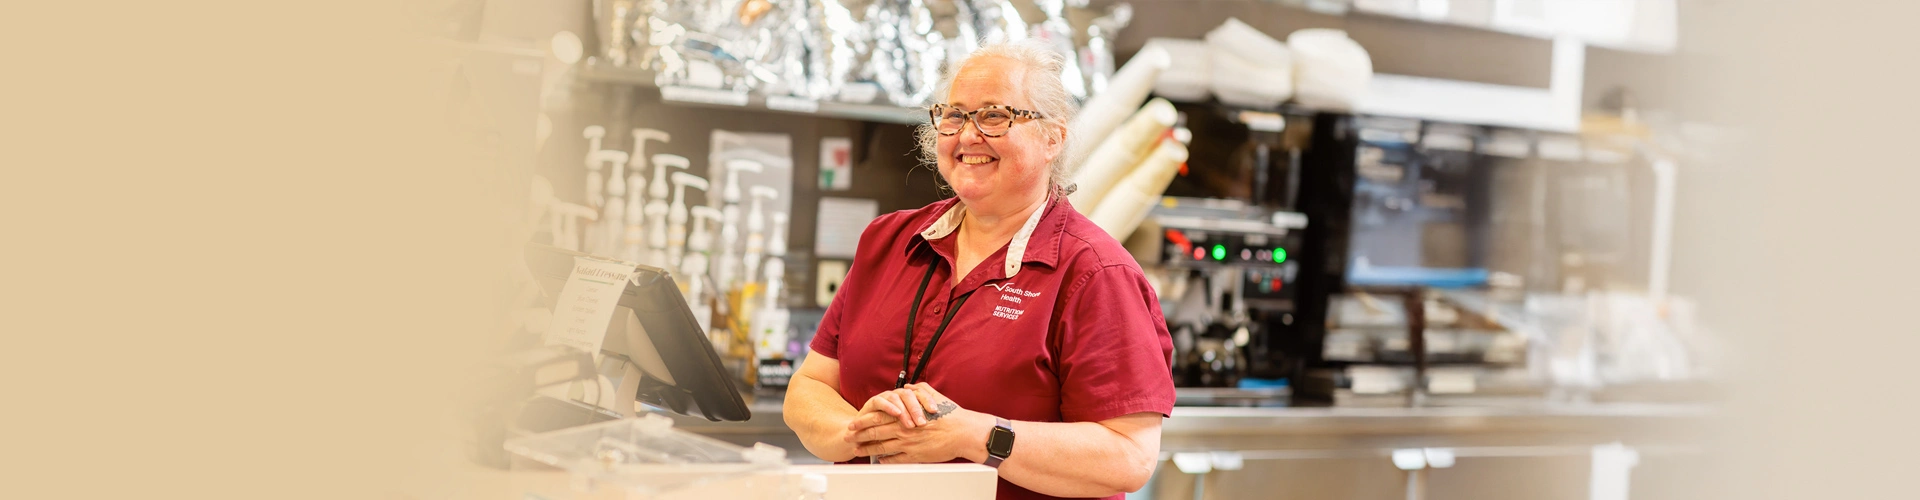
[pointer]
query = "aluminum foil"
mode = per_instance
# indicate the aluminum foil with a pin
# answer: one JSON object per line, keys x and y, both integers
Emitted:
{"x": 997, "y": 21}
{"x": 840, "y": 43}
{"x": 926, "y": 48}
{"x": 892, "y": 51}
{"x": 963, "y": 29}
{"x": 1055, "y": 31}
{"x": 613, "y": 22}
{"x": 723, "y": 44}
{"x": 1096, "y": 57}
{"x": 886, "y": 64}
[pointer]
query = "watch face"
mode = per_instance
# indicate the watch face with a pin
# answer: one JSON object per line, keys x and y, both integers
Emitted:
{"x": 1000, "y": 442}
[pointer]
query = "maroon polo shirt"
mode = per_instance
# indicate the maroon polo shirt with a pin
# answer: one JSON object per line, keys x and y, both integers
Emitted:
{"x": 1061, "y": 325}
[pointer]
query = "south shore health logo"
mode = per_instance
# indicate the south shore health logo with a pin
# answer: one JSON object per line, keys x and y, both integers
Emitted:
{"x": 1010, "y": 294}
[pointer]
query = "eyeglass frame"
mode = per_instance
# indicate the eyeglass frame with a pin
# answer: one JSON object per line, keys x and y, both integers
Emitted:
{"x": 934, "y": 112}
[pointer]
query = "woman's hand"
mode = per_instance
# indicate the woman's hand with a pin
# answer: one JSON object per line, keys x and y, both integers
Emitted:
{"x": 898, "y": 405}
{"x": 943, "y": 430}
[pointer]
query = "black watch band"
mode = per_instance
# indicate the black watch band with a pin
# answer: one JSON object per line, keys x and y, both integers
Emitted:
{"x": 999, "y": 442}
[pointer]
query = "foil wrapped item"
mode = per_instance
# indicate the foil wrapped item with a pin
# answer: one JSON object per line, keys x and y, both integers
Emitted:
{"x": 927, "y": 48}
{"x": 887, "y": 63}
{"x": 963, "y": 30}
{"x": 1096, "y": 57}
{"x": 1057, "y": 34}
{"x": 613, "y": 22}
{"x": 775, "y": 45}
{"x": 720, "y": 44}
{"x": 840, "y": 45}
{"x": 997, "y": 21}
{"x": 790, "y": 52}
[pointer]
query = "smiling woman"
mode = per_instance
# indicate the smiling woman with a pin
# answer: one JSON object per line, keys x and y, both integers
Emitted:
{"x": 1032, "y": 73}
{"x": 1068, "y": 351}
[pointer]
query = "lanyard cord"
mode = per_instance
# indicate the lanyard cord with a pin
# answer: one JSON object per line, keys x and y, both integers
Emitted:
{"x": 906, "y": 353}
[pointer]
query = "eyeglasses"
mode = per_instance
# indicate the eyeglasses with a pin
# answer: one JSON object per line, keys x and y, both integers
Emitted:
{"x": 991, "y": 121}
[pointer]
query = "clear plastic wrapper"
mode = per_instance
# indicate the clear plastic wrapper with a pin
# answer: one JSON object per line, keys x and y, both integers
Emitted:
{"x": 647, "y": 458}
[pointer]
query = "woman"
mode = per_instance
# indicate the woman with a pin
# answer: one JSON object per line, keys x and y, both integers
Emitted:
{"x": 1052, "y": 356}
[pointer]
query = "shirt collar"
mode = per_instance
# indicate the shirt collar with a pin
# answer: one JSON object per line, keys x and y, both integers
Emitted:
{"x": 1030, "y": 244}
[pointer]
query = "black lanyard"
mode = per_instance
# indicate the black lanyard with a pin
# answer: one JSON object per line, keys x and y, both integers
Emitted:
{"x": 907, "y": 354}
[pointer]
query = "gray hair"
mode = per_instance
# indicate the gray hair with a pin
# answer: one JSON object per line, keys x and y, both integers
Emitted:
{"x": 1048, "y": 94}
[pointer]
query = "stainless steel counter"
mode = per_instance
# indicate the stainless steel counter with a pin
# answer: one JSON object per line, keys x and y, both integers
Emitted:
{"x": 1506, "y": 424}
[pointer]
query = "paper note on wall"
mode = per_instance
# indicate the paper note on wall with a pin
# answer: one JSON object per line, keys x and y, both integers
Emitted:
{"x": 587, "y": 302}
{"x": 836, "y": 163}
{"x": 837, "y": 233}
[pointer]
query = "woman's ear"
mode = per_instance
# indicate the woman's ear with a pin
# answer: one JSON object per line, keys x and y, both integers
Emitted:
{"x": 1056, "y": 142}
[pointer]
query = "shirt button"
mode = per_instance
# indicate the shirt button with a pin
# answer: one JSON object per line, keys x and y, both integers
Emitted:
{"x": 936, "y": 308}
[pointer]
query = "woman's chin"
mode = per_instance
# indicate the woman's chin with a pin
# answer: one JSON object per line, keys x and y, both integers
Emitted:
{"x": 969, "y": 193}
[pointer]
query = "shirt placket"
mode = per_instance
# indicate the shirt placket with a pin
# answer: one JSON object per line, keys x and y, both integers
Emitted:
{"x": 939, "y": 297}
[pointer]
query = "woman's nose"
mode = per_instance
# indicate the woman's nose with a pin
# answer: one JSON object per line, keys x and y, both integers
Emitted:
{"x": 970, "y": 133}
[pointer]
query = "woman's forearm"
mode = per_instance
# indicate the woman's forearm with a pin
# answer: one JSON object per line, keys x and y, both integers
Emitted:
{"x": 1081, "y": 459}
{"x": 819, "y": 416}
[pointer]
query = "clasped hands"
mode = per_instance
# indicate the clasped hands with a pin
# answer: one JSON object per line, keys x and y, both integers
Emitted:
{"x": 916, "y": 424}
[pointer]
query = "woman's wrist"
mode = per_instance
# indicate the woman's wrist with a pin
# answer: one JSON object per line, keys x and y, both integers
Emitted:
{"x": 979, "y": 427}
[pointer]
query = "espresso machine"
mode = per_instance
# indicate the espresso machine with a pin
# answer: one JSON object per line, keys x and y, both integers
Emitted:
{"x": 1223, "y": 249}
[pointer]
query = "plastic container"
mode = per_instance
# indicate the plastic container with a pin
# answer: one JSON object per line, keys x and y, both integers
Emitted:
{"x": 646, "y": 458}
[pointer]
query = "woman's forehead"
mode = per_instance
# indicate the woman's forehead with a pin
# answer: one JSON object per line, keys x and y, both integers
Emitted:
{"x": 988, "y": 81}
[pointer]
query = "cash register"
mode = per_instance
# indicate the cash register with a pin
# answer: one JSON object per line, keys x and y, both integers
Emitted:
{"x": 654, "y": 351}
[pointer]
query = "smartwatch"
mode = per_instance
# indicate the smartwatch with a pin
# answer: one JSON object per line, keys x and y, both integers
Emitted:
{"x": 999, "y": 442}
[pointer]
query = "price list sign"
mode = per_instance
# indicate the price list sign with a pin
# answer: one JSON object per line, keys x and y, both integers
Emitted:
{"x": 587, "y": 302}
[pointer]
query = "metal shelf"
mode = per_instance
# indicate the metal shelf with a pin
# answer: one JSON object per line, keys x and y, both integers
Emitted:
{"x": 727, "y": 99}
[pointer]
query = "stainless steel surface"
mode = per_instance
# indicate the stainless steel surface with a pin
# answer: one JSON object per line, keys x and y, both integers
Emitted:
{"x": 1507, "y": 448}
{"x": 1454, "y": 418}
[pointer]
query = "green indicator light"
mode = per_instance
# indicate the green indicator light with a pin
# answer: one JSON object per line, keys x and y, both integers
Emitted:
{"x": 1219, "y": 252}
{"x": 1279, "y": 255}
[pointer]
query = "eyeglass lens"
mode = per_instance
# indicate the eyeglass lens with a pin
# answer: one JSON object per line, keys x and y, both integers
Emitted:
{"x": 992, "y": 122}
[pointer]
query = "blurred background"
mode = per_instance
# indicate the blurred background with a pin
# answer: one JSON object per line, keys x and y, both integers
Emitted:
{"x": 1447, "y": 230}
{"x": 1486, "y": 249}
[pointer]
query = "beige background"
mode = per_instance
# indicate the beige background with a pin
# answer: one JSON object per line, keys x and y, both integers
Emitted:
{"x": 240, "y": 263}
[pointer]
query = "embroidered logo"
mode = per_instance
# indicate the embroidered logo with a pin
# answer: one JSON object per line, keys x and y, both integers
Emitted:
{"x": 1007, "y": 312}
{"x": 1010, "y": 293}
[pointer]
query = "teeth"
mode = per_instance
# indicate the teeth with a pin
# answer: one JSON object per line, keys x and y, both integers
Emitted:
{"x": 975, "y": 159}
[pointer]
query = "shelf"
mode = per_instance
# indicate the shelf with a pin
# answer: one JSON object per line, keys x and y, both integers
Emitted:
{"x": 727, "y": 99}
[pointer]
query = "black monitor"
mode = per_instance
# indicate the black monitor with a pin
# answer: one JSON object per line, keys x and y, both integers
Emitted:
{"x": 669, "y": 361}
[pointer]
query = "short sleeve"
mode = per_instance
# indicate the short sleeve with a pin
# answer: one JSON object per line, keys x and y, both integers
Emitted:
{"x": 826, "y": 339}
{"x": 1114, "y": 351}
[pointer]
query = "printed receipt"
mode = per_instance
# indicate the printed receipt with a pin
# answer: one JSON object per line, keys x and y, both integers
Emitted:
{"x": 587, "y": 302}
